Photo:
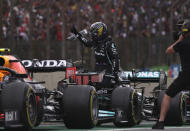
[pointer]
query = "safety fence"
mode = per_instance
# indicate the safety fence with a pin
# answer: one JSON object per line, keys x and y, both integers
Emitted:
{"x": 134, "y": 52}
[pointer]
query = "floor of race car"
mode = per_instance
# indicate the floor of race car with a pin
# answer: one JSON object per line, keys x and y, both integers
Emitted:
{"x": 144, "y": 126}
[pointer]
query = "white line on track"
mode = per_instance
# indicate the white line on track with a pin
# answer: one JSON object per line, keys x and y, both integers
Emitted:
{"x": 147, "y": 128}
{"x": 124, "y": 129}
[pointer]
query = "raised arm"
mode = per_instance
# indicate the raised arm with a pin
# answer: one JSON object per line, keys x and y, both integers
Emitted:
{"x": 170, "y": 49}
{"x": 86, "y": 42}
{"x": 81, "y": 38}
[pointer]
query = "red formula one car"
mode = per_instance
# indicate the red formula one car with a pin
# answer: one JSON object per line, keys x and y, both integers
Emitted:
{"x": 25, "y": 103}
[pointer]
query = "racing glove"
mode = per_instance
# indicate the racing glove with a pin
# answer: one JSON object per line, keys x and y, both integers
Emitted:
{"x": 81, "y": 38}
{"x": 74, "y": 30}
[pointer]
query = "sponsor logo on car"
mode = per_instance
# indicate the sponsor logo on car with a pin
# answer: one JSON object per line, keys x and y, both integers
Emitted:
{"x": 143, "y": 74}
{"x": 44, "y": 63}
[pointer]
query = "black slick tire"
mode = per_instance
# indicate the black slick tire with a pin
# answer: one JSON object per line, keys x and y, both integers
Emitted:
{"x": 80, "y": 107}
{"x": 19, "y": 96}
{"x": 126, "y": 99}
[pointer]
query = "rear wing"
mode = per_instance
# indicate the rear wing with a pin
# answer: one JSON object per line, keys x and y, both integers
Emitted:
{"x": 46, "y": 65}
{"x": 144, "y": 76}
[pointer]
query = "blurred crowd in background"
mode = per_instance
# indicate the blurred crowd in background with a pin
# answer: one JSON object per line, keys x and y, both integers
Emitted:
{"x": 40, "y": 18}
{"x": 142, "y": 28}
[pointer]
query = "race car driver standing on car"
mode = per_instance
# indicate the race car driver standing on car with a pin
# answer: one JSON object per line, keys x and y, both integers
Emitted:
{"x": 106, "y": 54}
{"x": 182, "y": 82}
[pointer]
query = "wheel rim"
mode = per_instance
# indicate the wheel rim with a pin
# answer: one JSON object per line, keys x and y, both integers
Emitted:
{"x": 94, "y": 108}
{"x": 31, "y": 109}
{"x": 137, "y": 106}
{"x": 182, "y": 105}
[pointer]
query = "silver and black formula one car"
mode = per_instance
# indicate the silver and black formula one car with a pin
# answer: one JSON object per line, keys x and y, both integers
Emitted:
{"x": 119, "y": 102}
{"x": 25, "y": 103}
{"x": 124, "y": 102}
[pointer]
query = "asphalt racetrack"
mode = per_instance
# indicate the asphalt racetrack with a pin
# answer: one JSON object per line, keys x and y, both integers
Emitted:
{"x": 144, "y": 126}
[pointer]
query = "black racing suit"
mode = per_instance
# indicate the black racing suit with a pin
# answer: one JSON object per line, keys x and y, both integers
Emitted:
{"x": 182, "y": 81}
{"x": 105, "y": 54}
